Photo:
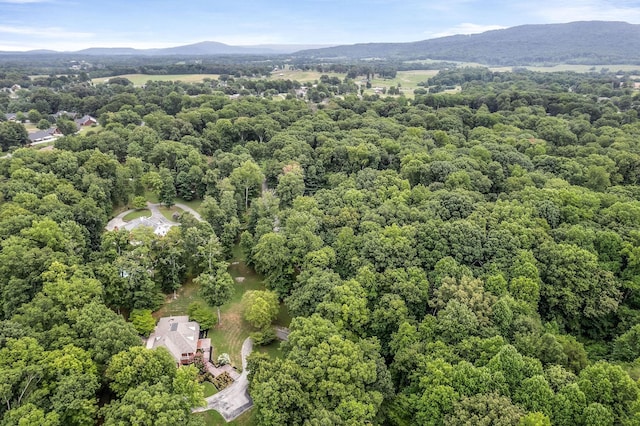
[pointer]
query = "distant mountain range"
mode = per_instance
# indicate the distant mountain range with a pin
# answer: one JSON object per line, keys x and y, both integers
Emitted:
{"x": 590, "y": 42}
{"x": 205, "y": 48}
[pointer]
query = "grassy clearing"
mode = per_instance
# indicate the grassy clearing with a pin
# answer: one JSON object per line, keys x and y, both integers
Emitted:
{"x": 194, "y": 204}
{"x": 169, "y": 211}
{"x": 209, "y": 389}
{"x": 233, "y": 330}
{"x": 284, "y": 317}
{"x": 151, "y": 197}
{"x": 136, "y": 214}
{"x": 172, "y": 307}
{"x": 213, "y": 418}
{"x": 140, "y": 79}
{"x": 303, "y": 76}
{"x": 273, "y": 350}
{"x": 226, "y": 337}
{"x": 86, "y": 129}
{"x": 45, "y": 145}
{"x": 408, "y": 81}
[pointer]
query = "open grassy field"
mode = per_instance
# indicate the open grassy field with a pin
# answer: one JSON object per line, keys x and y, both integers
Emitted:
{"x": 151, "y": 197}
{"x": 408, "y": 81}
{"x": 136, "y": 214}
{"x": 140, "y": 79}
{"x": 185, "y": 295}
{"x": 303, "y": 76}
{"x": 168, "y": 212}
{"x": 194, "y": 204}
{"x": 213, "y": 418}
{"x": 570, "y": 67}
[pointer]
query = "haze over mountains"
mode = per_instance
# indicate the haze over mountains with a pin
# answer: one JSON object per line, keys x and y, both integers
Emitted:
{"x": 203, "y": 48}
{"x": 588, "y": 42}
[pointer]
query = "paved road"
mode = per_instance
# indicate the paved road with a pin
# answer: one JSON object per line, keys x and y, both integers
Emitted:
{"x": 118, "y": 222}
{"x": 235, "y": 399}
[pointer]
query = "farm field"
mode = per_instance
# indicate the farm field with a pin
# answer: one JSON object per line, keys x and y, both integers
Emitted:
{"x": 569, "y": 67}
{"x": 303, "y": 76}
{"x": 408, "y": 81}
{"x": 140, "y": 79}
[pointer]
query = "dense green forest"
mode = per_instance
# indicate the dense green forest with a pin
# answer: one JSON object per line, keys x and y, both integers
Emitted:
{"x": 469, "y": 258}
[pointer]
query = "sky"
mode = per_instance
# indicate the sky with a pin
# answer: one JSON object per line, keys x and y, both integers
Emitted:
{"x": 69, "y": 25}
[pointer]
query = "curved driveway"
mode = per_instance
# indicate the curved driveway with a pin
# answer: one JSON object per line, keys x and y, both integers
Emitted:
{"x": 234, "y": 399}
{"x": 118, "y": 221}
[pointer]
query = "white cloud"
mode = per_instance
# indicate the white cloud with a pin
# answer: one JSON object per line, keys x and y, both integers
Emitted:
{"x": 50, "y": 32}
{"x": 465, "y": 28}
{"x": 584, "y": 10}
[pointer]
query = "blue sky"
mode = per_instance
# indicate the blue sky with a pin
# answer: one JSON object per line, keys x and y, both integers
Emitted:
{"x": 74, "y": 24}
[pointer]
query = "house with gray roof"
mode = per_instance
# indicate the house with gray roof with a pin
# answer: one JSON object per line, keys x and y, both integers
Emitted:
{"x": 64, "y": 114}
{"x": 86, "y": 120}
{"x": 181, "y": 338}
{"x": 43, "y": 135}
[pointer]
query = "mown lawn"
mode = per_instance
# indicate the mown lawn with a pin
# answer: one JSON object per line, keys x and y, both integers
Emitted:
{"x": 303, "y": 76}
{"x": 168, "y": 212}
{"x": 233, "y": 330}
{"x": 136, "y": 214}
{"x": 273, "y": 350}
{"x": 209, "y": 389}
{"x": 186, "y": 294}
{"x": 151, "y": 197}
{"x": 194, "y": 204}
{"x": 213, "y": 418}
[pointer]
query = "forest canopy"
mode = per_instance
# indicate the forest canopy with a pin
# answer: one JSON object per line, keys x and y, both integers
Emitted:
{"x": 460, "y": 258}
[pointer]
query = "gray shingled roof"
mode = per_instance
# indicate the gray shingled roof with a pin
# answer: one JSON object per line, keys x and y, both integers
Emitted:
{"x": 177, "y": 334}
{"x": 42, "y": 134}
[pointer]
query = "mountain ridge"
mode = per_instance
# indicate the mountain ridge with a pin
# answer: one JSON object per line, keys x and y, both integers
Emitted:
{"x": 581, "y": 41}
{"x": 586, "y": 42}
{"x": 202, "y": 48}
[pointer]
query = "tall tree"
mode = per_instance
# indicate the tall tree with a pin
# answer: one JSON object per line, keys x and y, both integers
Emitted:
{"x": 249, "y": 177}
{"x": 216, "y": 287}
{"x": 167, "y": 189}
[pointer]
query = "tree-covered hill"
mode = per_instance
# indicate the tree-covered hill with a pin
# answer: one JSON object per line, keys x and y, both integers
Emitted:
{"x": 593, "y": 42}
{"x": 467, "y": 258}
